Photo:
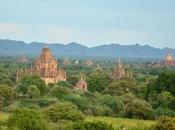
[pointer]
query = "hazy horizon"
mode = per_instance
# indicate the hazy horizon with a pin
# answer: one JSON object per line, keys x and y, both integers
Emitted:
{"x": 90, "y": 23}
{"x": 87, "y": 45}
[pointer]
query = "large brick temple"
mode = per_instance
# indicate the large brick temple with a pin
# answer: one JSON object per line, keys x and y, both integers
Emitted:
{"x": 46, "y": 67}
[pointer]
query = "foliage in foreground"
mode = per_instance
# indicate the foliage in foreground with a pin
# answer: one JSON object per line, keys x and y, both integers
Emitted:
{"x": 94, "y": 125}
{"x": 63, "y": 111}
{"x": 165, "y": 123}
{"x": 120, "y": 123}
{"x": 26, "y": 119}
{"x": 117, "y": 123}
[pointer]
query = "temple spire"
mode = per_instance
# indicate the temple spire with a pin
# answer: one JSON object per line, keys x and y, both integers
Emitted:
{"x": 120, "y": 71}
{"x": 120, "y": 64}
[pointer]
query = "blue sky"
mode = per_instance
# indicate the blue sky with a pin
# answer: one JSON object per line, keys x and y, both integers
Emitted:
{"x": 89, "y": 22}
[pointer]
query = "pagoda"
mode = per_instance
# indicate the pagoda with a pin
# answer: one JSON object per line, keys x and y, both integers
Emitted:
{"x": 81, "y": 84}
{"x": 169, "y": 60}
{"x": 46, "y": 67}
{"x": 23, "y": 58}
{"x": 66, "y": 61}
{"x": 89, "y": 63}
{"x": 120, "y": 71}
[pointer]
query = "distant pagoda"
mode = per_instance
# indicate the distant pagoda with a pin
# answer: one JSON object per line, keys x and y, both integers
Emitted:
{"x": 23, "y": 58}
{"x": 89, "y": 63}
{"x": 66, "y": 61}
{"x": 169, "y": 60}
{"x": 120, "y": 71}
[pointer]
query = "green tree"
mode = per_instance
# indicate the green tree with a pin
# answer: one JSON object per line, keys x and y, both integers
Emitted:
{"x": 72, "y": 79}
{"x": 59, "y": 91}
{"x": 64, "y": 84}
{"x": 171, "y": 103}
{"x": 120, "y": 87}
{"x": 26, "y": 119}
{"x": 80, "y": 101}
{"x": 5, "y": 78}
{"x": 165, "y": 82}
{"x": 95, "y": 125}
{"x": 111, "y": 101}
{"x": 99, "y": 110}
{"x": 98, "y": 80}
{"x": 63, "y": 111}
{"x": 164, "y": 97}
{"x": 1, "y": 102}
{"x": 165, "y": 123}
{"x": 138, "y": 109}
{"x": 160, "y": 92}
{"x": 7, "y": 94}
{"x": 26, "y": 81}
{"x": 33, "y": 92}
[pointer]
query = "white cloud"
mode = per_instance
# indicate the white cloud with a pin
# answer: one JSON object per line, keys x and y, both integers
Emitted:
{"x": 62, "y": 34}
{"x": 87, "y": 36}
{"x": 10, "y": 29}
{"x": 92, "y": 37}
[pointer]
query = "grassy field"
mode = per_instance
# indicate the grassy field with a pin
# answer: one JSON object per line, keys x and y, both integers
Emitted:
{"x": 118, "y": 123}
{"x": 129, "y": 124}
{"x": 3, "y": 116}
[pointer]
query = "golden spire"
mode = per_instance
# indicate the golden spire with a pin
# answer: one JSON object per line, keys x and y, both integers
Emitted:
{"x": 169, "y": 57}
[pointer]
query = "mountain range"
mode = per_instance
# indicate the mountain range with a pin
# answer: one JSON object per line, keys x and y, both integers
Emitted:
{"x": 16, "y": 48}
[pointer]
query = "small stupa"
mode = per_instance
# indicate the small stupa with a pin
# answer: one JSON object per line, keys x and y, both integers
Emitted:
{"x": 81, "y": 84}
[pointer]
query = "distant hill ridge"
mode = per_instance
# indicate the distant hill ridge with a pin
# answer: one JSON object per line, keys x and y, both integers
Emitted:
{"x": 16, "y": 48}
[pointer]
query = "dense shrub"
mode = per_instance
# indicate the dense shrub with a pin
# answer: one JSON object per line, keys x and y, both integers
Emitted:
{"x": 120, "y": 87}
{"x": 73, "y": 79}
{"x": 164, "y": 111}
{"x": 165, "y": 82}
{"x": 6, "y": 77}
{"x": 33, "y": 92}
{"x": 64, "y": 84}
{"x": 171, "y": 103}
{"x": 111, "y": 101}
{"x": 26, "y": 81}
{"x": 44, "y": 102}
{"x": 63, "y": 111}
{"x": 80, "y": 101}
{"x": 98, "y": 80}
{"x": 165, "y": 123}
{"x": 97, "y": 110}
{"x": 26, "y": 119}
{"x": 96, "y": 125}
{"x": 59, "y": 91}
{"x": 7, "y": 95}
{"x": 138, "y": 109}
{"x": 128, "y": 97}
